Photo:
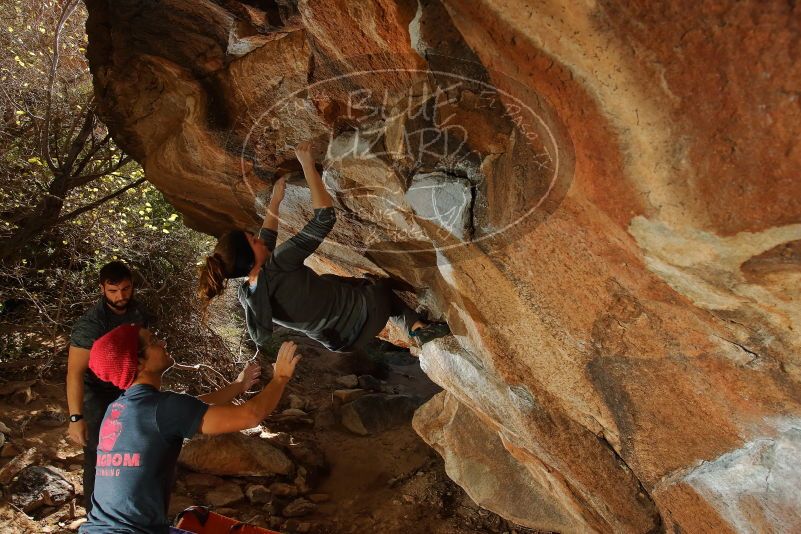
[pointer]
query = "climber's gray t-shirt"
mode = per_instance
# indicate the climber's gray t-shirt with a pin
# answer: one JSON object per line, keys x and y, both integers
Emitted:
{"x": 140, "y": 439}
{"x": 292, "y": 295}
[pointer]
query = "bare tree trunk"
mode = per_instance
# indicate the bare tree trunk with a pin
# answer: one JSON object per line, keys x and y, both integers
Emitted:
{"x": 42, "y": 217}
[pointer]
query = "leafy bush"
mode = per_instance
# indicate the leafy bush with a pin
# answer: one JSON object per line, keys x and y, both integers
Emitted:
{"x": 71, "y": 200}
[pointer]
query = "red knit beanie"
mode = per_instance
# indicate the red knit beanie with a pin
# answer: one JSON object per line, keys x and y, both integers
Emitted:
{"x": 115, "y": 356}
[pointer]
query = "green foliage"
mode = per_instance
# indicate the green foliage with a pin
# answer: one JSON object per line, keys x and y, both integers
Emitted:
{"x": 52, "y": 278}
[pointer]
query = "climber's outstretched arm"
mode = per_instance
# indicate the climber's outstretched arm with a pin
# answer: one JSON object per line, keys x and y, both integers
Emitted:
{"x": 272, "y": 217}
{"x": 320, "y": 197}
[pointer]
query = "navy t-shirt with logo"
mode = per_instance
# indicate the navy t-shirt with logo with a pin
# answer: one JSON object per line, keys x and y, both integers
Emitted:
{"x": 140, "y": 439}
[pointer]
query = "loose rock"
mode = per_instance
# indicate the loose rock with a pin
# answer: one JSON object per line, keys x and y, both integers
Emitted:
{"x": 348, "y": 381}
{"x": 295, "y": 412}
{"x": 307, "y": 454}
{"x": 299, "y": 508}
{"x": 37, "y": 486}
{"x": 282, "y": 489}
{"x": 344, "y": 396}
{"x": 301, "y": 481}
{"x": 296, "y": 402}
{"x": 9, "y": 451}
{"x": 51, "y": 418}
{"x": 257, "y": 494}
{"x": 224, "y": 495}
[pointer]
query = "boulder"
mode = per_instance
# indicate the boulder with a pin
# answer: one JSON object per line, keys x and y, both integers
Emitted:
{"x": 235, "y": 454}
{"x": 372, "y": 414}
{"x": 600, "y": 198}
{"x": 476, "y": 460}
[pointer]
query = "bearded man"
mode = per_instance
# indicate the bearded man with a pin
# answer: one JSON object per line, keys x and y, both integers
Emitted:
{"x": 87, "y": 395}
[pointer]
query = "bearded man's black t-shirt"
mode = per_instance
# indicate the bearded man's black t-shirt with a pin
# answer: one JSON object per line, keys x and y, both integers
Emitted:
{"x": 140, "y": 439}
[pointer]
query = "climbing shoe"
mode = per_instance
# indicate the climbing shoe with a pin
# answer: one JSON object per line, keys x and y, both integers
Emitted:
{"x": 430, "y": 332}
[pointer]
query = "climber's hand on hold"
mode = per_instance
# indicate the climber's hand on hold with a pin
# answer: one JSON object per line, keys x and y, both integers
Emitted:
{"x": 279, "y": 188}
{"x": 304, "y": 154}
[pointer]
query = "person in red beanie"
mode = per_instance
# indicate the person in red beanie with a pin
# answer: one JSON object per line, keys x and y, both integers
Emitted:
{"x": 113, "y": 358}
{"x": 143, "y": 430}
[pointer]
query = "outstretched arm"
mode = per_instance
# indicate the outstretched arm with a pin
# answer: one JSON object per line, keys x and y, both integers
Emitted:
{"x": 222, "y": 419}
{"x": 272, "y": 217}
{"x": 293, "y": 252}
{"x": 320, "y": 197}
{"x": 268, "y": 233}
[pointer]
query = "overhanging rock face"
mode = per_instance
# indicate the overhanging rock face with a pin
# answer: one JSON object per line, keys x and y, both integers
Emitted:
{"x": 602, "y": 199}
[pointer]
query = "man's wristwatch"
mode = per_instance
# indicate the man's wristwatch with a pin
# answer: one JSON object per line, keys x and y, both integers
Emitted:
{"x": 75, "y": 417}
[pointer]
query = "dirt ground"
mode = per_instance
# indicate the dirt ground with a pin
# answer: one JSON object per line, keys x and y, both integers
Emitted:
{"x": 391, "y": 482}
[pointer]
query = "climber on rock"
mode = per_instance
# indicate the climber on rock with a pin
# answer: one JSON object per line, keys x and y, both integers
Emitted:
{"x": 143, "y": 431}
{"x": 279, "y": 288}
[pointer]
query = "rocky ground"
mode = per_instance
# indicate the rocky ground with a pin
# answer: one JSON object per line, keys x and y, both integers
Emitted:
{"x": 339, "y": 455}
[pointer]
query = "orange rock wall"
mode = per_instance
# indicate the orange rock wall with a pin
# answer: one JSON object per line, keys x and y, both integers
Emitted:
{"x": 601, "y": 198}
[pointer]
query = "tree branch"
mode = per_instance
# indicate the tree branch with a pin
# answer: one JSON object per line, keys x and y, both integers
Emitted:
{"x": 69, "y": 7}
{"x": 77, "y": 181}
{"x": 92, "y": 151}
{"x": 96, "y": 203}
